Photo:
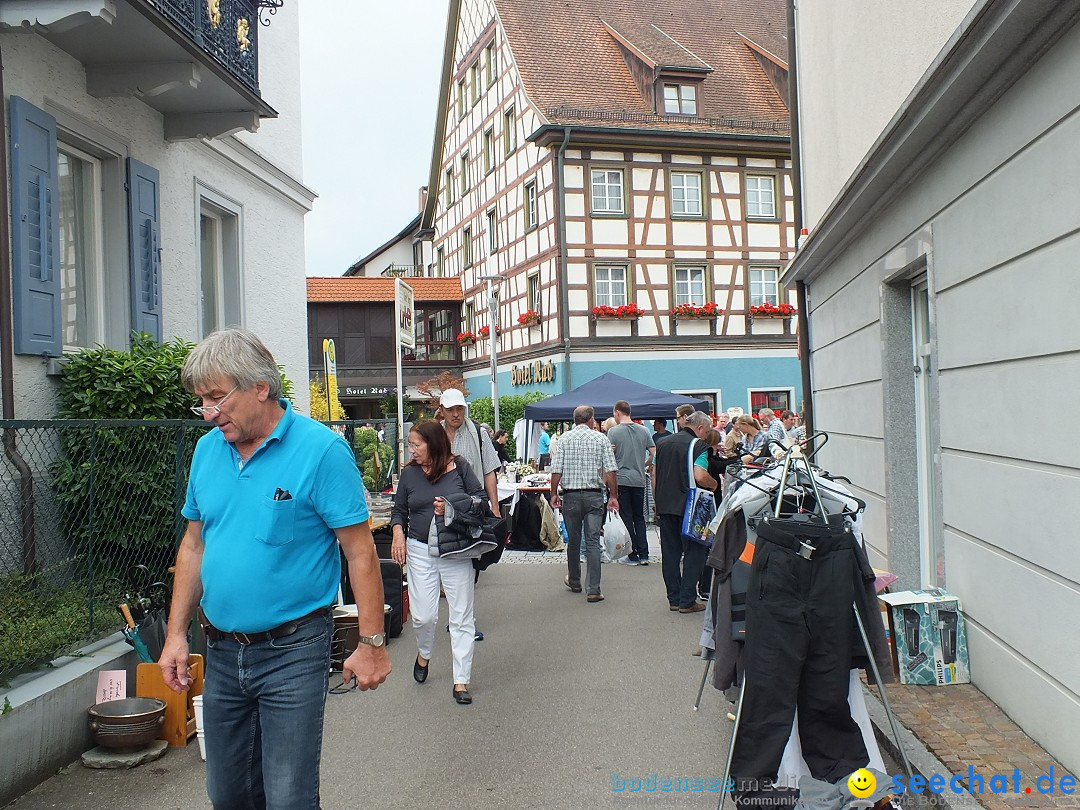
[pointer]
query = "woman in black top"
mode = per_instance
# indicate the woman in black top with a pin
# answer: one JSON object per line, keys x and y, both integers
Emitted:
{"x": 435, "y": 474}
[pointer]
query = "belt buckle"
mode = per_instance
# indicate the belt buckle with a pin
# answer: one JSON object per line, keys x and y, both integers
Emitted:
{"x": 806, "y": 551}
{"x": 242, "y": 638}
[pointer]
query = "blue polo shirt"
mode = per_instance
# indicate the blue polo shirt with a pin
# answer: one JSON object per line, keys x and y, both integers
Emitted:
{"x": 266, "y": 561}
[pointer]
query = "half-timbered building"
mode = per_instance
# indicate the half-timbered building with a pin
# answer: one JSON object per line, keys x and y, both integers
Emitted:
{"x": 619, "y": 174}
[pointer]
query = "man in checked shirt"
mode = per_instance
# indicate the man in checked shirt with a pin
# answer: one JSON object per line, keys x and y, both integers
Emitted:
{"x": 584, "y": 463}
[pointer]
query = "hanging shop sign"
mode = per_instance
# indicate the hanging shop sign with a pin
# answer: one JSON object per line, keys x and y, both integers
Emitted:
{"x": 403, "y": 303}
{"x": 535, "y": 372}
{"x": 371, "y": 391}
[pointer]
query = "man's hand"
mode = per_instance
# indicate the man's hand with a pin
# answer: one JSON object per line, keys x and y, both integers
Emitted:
{"x": 555, "y": 500}
{"x": 174, "y": 663}
{"x": 613, "y": 503}
{"x": 368, "y": 665}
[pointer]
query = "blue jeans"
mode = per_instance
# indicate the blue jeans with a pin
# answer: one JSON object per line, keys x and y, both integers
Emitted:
{"x": 263, "y": 715}
{"x": 584, "y": 510}
{"x": 632, "y": 511}
{"x": 682, "y": 562}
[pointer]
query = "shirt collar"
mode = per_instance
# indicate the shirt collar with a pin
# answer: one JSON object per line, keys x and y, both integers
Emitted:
{"x": 283, "y": 424}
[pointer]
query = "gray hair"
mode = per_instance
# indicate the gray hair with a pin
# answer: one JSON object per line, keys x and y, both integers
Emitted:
{"x": 761, "y": 414}
{"x": 235, "y": 354}
{"x": 697, "y": 419}
{"x": 582, "y": 414}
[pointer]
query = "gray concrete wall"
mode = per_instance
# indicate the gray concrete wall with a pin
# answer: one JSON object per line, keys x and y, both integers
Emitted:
{"x": 995, "y": 223}
{"x": 47, "y": 727}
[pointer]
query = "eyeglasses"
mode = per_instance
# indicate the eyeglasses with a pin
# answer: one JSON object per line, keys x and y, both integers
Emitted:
{"x": 213, "y": 410}
{"x": 413, "y": 446}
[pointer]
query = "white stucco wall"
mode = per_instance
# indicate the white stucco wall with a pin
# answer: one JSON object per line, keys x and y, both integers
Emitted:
{"x": 272, "y": 201}
{"x": 997, "y": 219}
{"x": 857, "y": 62}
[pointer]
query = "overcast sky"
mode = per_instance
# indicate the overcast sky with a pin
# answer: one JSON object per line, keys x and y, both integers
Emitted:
{"x": 370, "y": 85}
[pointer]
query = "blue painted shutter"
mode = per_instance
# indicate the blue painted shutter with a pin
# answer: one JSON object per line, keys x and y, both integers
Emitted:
{"x": 144, "y": 222}
{"x": 35, "y": 231}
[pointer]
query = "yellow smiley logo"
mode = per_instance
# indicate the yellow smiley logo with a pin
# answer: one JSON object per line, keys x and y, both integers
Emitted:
{"x": 861, "y": 783}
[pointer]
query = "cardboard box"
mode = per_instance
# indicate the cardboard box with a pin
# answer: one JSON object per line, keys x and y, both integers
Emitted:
{"x": 929, "y": 636}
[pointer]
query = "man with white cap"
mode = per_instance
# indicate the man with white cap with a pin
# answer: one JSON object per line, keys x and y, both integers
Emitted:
{"x": 471, "y": 442}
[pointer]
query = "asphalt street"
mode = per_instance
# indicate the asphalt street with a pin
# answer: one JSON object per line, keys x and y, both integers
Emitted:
{"x": 570, "y": 698}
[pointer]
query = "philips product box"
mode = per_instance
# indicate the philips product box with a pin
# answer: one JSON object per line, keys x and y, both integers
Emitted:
{"x": 929, "y": 637}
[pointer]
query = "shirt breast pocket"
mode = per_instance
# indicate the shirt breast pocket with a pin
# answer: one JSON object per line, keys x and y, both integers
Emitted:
{"x": 276, "y": 521}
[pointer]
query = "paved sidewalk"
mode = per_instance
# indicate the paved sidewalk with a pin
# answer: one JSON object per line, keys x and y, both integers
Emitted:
{"x": 963, "y": 729}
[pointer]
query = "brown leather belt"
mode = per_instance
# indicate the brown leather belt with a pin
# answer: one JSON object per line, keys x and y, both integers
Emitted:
{"x": 280, "y": 631}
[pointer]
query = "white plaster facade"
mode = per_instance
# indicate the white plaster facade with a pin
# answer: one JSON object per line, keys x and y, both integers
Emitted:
{"x": 254, "y": 176}
{"x": 941, "y": 322}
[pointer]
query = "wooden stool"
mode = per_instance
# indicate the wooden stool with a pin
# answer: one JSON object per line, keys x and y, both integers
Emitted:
{"x": 179, "y": 726}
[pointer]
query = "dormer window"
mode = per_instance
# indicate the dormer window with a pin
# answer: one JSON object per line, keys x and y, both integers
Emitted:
{"x": 680, "y": 99}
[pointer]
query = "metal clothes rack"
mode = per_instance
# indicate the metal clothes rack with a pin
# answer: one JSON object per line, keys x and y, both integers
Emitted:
{"x": 796, "y": 462}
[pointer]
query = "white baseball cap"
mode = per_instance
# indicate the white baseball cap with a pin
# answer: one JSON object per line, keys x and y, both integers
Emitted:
{"x": 734, "y": 413}
{"x": 451, "y": 398}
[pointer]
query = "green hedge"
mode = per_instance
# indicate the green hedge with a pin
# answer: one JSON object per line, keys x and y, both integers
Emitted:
{"x": 511, "y": 408}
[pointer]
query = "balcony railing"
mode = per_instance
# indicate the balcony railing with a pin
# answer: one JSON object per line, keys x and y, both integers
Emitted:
{"x": 403, "y": 271}
{"x": 228, "y": 30}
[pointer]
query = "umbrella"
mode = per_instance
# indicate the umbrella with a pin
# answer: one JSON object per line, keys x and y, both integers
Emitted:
{"x": 132, "y": 635}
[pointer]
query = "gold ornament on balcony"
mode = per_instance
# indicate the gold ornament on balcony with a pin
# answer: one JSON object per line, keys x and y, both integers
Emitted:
{"x": 242, "y": 30}
{"x": 214, "y": 8}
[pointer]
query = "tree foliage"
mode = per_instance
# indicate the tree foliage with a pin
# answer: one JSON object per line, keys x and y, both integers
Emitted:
{"x": 511, "y": 408}
{"x": 318, "y": 402}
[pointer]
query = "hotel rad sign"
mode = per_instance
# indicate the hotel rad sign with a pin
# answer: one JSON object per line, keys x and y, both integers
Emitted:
{"x": 535, "y": 372}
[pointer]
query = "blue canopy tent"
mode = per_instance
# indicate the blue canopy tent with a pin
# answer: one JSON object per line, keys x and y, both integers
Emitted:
{"x": 603, "y": 392}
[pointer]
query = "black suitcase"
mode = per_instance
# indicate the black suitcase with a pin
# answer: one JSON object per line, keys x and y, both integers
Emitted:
{"x": 395, "y": 595}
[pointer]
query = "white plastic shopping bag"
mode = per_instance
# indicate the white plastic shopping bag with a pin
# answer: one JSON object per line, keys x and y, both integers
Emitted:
{"x": 616, "y": 537}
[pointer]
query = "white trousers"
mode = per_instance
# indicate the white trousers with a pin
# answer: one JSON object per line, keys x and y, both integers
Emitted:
{"x": 426, "y": 575}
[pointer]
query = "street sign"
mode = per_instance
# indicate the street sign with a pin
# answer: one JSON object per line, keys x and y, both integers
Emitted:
{"x": 403, "y": 304}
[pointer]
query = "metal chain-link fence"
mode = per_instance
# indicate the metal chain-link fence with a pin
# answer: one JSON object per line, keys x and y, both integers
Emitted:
{"x": 90, "y": 513}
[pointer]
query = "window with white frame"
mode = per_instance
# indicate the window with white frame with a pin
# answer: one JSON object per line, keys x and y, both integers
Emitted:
{"x": 81, "y": 257}
{"x": 466, "y": 245}
{"x": 464, "y": 173}
{"x": 533, "y": 294}
{"x": 469, "y": 317}
{"x": 530, "y": 205}
{"x": 509, "y": 132}
{"x": 491, "y": 63}
{"x": 607, "y": 191}
{"x": 680, "y": 99}
{"x": 440, "y": 263}
{"x": 686, "y": 194}
{"x": 761, "y": 196}
{"x": 449, "y": 187}
{"x": 493, "y": 235}
{"x": 690, "y": 286}
{"x": 461, "y": 98}
{"x": 474, "y": 76}
{"x": 609, "y": 285}
{"x": 764, "y": 286}
{"x": 219, "y": 263}
{"x": 489, "y": 150}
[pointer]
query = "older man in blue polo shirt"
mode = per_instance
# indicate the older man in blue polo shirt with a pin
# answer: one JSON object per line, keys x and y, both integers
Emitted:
{"x": 270, "y": 496}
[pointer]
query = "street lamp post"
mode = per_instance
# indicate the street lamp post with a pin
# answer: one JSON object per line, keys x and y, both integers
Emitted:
{"x": 493, "y": 318}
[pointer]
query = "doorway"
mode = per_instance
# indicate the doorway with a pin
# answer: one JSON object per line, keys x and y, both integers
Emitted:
{"x": 931, "y": 546}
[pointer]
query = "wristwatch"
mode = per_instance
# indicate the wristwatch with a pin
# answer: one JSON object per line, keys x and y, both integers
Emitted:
{"x": 377, "y": 640}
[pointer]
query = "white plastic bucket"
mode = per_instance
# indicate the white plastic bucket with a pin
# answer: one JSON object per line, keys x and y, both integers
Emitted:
{"x": 196, "y": 703}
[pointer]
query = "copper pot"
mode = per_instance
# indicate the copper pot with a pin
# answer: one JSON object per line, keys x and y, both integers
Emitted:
{"x": 127, "y": 725}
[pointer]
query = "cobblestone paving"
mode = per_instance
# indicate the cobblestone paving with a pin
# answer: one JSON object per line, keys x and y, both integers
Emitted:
{"x": 966, "y": 730}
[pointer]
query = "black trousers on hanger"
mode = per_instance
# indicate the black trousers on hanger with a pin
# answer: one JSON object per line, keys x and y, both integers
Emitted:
{"x": 800, "y": 635}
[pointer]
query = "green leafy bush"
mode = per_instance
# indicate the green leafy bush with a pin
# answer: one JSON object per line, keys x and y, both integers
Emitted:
{"x": 511, "y": 408}
{"x": 367, "y": 445}
{"x": 120, "y": 485}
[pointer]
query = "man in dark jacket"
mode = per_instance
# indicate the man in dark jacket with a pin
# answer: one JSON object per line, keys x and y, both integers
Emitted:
{"x": 682, "y": 559}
